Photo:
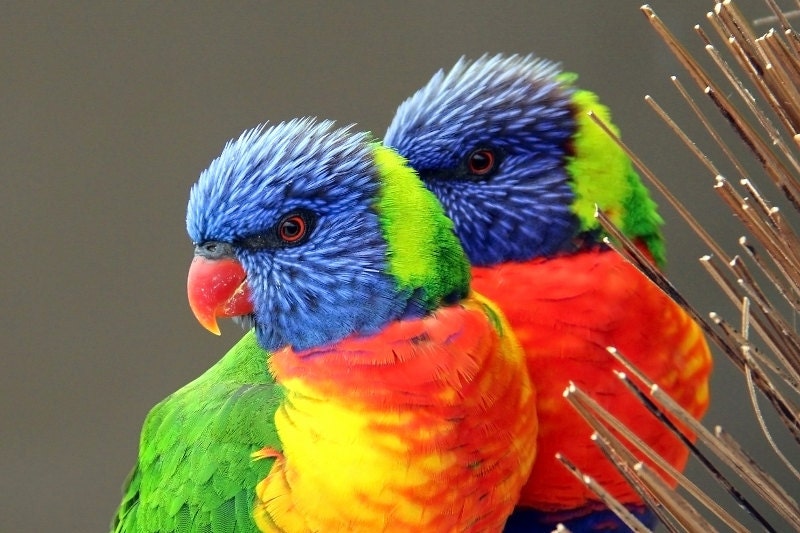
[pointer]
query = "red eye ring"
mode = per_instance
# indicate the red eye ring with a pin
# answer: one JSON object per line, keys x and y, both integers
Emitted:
{"x": 292, "y": 228}
{"x": 481, "y": 161}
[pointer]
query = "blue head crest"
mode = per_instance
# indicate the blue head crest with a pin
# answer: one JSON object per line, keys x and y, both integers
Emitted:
{"x": 334, "y": 283}
{"x": 511, "y": 119}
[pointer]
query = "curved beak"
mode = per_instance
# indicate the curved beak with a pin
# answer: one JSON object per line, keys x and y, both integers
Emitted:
{"x": 217, "y": 288}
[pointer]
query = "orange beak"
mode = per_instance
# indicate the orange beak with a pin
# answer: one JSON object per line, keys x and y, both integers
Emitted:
{"x": 217, "y": 288}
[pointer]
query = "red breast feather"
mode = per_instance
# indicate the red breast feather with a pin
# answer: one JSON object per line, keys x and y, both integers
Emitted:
{"x": 565, "y": 311}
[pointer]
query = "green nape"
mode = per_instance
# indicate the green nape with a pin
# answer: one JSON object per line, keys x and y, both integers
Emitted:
{"x": 603, "y": 176}
{"x": 424, "y": 252}
{"x": 194, "y": 472}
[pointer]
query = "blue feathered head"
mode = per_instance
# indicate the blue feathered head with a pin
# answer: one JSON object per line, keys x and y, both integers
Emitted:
{"x": 489, "y": 138}
{"x": 505, "y": 144}
{"x": 292, "y": 229}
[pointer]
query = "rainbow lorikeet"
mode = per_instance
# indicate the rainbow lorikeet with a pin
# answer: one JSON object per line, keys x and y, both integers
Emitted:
{"x": 375, "y": 392}
{"x": 504, "y": 142}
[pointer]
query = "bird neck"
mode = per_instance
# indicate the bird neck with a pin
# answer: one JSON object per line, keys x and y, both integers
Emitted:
{"x": 424, "y": 255}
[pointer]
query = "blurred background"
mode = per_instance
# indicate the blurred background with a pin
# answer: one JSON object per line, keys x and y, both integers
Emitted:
{"x": 109, "y": 112}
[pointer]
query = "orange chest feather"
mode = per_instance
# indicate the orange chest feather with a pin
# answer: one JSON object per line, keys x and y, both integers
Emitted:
{"x": 561, "y": 306}
{"x": 429, "y": 426}
{"x": 565, "y": 311}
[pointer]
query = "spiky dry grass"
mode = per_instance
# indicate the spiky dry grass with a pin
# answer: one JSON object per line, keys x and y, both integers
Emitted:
{"x": 762, "y": 281}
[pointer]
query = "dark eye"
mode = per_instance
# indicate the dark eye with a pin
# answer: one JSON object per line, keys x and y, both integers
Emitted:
{"x": 481, "y": 161}
{"x": 292, "y": 228}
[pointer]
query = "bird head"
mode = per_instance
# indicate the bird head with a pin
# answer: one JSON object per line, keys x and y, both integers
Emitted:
{"x": 314, "y": 233}
{"x": 504, "y": 142}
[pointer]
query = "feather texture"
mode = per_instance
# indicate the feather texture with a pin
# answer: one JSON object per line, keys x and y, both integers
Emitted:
{"x": 373, "y": 394}
{"x": 194, "y": 472}
{"x": 524, "y": 210}
{"x": 426, "y": 427}
{"x": 565, "y": 312}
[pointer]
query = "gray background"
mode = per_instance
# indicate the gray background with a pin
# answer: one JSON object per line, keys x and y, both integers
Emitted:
{"x": 109, "y": 112}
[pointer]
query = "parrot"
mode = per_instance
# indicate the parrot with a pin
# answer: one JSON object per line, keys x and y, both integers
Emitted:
{"x": 506, "y": 145}
{"x": 374, "y": 390}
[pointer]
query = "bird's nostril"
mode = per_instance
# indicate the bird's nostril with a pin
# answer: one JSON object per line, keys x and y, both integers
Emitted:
{"x": 213, "y": 250}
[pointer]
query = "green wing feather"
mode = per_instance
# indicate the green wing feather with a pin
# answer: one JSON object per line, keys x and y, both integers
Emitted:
{"x": 194, "y": 472}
